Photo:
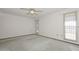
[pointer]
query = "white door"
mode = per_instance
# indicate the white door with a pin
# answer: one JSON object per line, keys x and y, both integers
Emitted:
{"x": 70, "y": 26}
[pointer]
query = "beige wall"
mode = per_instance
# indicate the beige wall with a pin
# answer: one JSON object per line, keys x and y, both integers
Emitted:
{"x": 51, "y": 25}
{"x": 12, "y": 25}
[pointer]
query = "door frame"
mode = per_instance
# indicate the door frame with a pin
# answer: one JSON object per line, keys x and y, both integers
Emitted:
{"x": 64, "y": 26}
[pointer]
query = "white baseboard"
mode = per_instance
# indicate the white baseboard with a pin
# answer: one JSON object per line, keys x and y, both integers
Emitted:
{"x": 16, "y": 36}
{"x": 76, "y": 43}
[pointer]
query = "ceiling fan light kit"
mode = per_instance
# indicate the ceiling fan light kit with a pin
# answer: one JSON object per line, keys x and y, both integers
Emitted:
{"x": 31, "y": 11}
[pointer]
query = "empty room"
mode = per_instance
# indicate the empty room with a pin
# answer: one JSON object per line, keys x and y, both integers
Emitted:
{"x": 39, "y": 29}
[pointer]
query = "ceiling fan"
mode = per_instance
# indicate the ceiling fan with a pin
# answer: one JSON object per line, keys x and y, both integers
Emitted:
{"x": 31, "y": 11}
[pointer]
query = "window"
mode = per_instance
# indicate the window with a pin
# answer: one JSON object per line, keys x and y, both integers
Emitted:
{"x": 70, "y": 26}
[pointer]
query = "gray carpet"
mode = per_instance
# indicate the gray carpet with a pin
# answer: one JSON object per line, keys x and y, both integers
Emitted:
{"x": 35, "y": 43}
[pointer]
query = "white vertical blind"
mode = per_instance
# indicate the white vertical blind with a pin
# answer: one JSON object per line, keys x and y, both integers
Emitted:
{"x": 70, "y": 26}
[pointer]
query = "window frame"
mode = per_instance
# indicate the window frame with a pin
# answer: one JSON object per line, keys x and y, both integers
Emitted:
{"x": 75, "y": 12}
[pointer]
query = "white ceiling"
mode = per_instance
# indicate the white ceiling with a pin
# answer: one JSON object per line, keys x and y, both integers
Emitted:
{"x": 18, "y": 11}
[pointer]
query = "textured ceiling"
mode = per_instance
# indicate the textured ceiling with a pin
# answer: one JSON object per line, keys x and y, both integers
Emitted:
{"x": 18, "y": 11}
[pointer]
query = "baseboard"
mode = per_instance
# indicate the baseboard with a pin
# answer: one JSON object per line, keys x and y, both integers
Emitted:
{"x": 59, "y": 40}
{"x": 16, "y": 36}
{"x": 42, "y": 36}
